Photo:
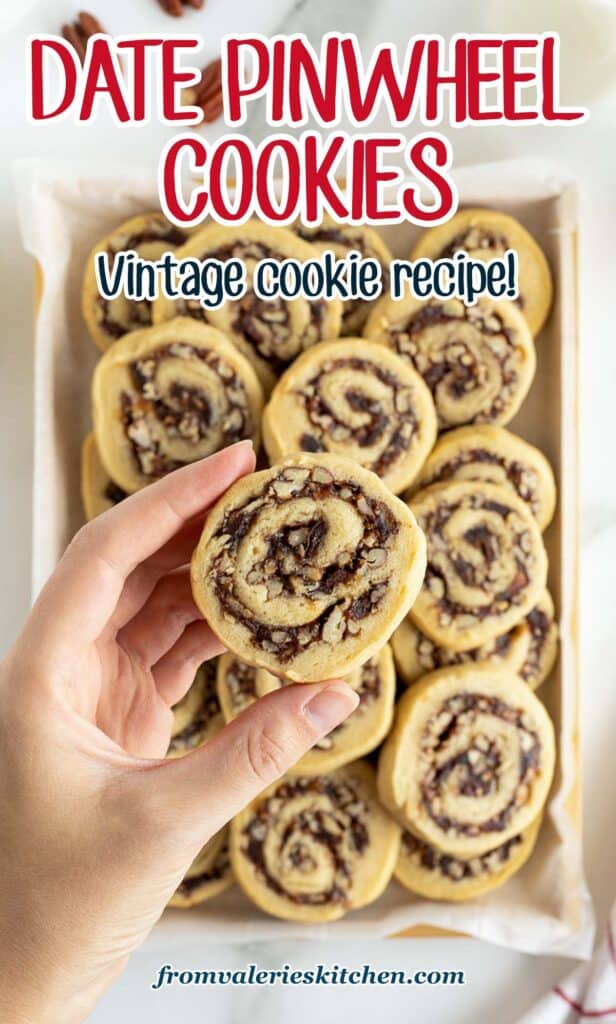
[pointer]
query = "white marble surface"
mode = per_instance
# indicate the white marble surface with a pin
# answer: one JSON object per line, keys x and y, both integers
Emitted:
{"x": 500, "y": 984}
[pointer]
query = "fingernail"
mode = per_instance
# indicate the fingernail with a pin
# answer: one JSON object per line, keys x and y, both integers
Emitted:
{"x": 331, "y": 706}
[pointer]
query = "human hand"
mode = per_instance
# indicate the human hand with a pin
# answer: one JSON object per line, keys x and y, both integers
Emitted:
{"x": 96, "y": 827}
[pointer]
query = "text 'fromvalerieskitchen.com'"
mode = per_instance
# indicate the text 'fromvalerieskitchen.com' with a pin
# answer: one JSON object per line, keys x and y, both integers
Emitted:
{"x": 317, "y": 974}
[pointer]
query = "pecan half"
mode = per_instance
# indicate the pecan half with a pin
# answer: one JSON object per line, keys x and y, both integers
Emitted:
{"x": 79, "y": 31}
{"x": 207, "y": 93}
{"x": 176, "y": 7}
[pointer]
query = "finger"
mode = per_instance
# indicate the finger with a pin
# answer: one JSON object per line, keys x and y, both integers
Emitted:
{"x": 163, "y": 618}
{"x": 207, "y": 788}
{"x": 175, "y": 672}
{"x": 90, "y": 577}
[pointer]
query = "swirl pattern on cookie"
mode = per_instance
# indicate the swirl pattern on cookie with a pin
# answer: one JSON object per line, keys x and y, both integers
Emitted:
{"x": 314, "y": 848}
{"x": 170, "y": 395}
{"x": 209, "y": 874}
{"x": 529, "y": 649}
{"x": 478, "y": 361}
{"x": 270, "y": 333}
{"x": 487, "y": 565}
{"x": 428, "y": 872}
{"x": 499, "y": 457}
{"x": 342, "y": 239}
{"x": 469, "y": 762}
{"x": 307, "y": 568}
{"x": 149, "y": 235}
{"x": 355, "y": 399}
{"x": 198, "y": 716}
{"x": 236, "y": 684}
{"x": 98, "y": 490}
{"x": 486, "y": 235}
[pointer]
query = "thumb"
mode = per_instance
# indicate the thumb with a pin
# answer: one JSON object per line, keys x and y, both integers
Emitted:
{"x": 211, "y": 785}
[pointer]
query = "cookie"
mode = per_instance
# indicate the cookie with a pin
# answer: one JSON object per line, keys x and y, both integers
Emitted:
{"x": 428, "y": 872}
{"x": 469, "y": 761}
{"x": 306, "y": 568}
{"x": 487, "y": 566}
{"x": 478, "y": 361}
{"x": 198, "y": 716}
{"x": 236, "y": 684}
{"x": 355, "y": 399}
{"x": 170, "y": 395}
{"x": 499, "y": 457}
{"x": 528, "y": 649}
{"x": 98, "y": 490}
{"x": 149, "y": 235}
{"x": 342, "y": 239}
{"x": 312, "y": 848}
{"x": 272, "y": 332}
{"x": 486, "y": 235}
{"x": 209, "y": 874}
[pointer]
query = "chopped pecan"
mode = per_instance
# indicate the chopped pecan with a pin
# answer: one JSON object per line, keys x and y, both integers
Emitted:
{"x": 176, "y": 7}
{"x": 78, "y": 32}
{"x": 207, "y": 93}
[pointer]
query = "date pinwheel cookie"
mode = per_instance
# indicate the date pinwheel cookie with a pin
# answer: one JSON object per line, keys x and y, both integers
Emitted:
{"x": 269, "y": 332}
{"x": 428, "y": 872}
{"x": 355, "y": 399}
{"x": 478, "y": 361}
{"x": 486, "y": 235}
{"x": 209, "y": 874}
{"x": 306, "y": 568}
{"x": 341, "y": 239}
{"x": 98, "y": 491}
{"x": 236, "y": 683}
{"x": 487, "y": 566}
{"x": 528, "y": 649}
{"x": 149, "y": 235}
{"x": 198, "y": 716}
{"x": 312, "y": 848}
{"x": 170, "y": 395}
{"x": 469, "y": 762}
{"x": 497, "y": 456}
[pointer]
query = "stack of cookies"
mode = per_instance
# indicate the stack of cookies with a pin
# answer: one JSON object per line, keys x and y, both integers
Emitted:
{"x": 392, "y": 537}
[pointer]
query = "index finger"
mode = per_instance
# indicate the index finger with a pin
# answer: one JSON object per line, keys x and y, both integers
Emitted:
{"x": 83, "y": 591}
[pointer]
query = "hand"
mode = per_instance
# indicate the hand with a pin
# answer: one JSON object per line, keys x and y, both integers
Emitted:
{"x": 96, "y": 828}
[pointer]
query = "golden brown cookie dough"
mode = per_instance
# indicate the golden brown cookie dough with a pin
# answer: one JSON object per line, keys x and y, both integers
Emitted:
{"x": 270, "y": 333}
{"x": 236, "y": 684}
{"x": 487, "y": 565}
{"x": 209, "y": 874}
{"x": 428, "y": 872}
{"x": 170, "y": 395}
{"x": 98, "y": 491}
{"x": 307, "y": 568}
{"x": 311, "y": 848}
{"x": 150, "y": 235}
{"x": 529, "y": 649}
{"x": 486, "y": 235}
{"x": 469, "y": 761}
{"x": 198, "y": 716}
{"x": 356, "y": 399}
{"x": 497, "y": 456}
{"x": 478, "y": 361}
{"x": 341, "y": 239}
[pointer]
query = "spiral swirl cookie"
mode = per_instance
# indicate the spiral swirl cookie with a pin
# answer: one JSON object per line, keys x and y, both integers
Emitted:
{"x": 209, "y": 874}
{"x": 342, "y": 239}
{"x": 487, "y": 566}
{"x": 98, "y": 491}
{"x": 149, "y": 235}
{"x": 236, "y": 684}
{"x": 486, "y": 235}
{"x": 270, "y": 333}
{"x": 355, "y": 399}
{"x": 478, "y": 361}
{"x": 469, "y": 761}
{"x": 198, "y": 716}
{"x": 306, "y": 568}
{"x": 529, "y": 649}
{"x": 313, "y": 848}
{"x": 499, "y": 457}
{"x": 170, "y": 395}
{"x": 428, "y": 872}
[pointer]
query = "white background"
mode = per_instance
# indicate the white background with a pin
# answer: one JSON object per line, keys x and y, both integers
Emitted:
{"x": 500, "y": 984}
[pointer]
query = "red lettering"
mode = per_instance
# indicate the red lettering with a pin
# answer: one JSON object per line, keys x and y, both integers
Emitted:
{"x": 303, "y": 70}
{"x": 236, "y": 89}
{"x": 477, "y": 78}
{"x": 374, "y": 176}
{"x": 138, "y": 47}
{"x": 428, "y": 169}
{"x": 320, "y": 175}
{"x": 241, "y": 152}
{"x": 549, "y": 73}
{"x": 383, "y": 76}
{"x": 264, "y": 175}
{"x": 69, "y": 62}
{"x": 171, "y": 179}
{"x": 173, "y": 76}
